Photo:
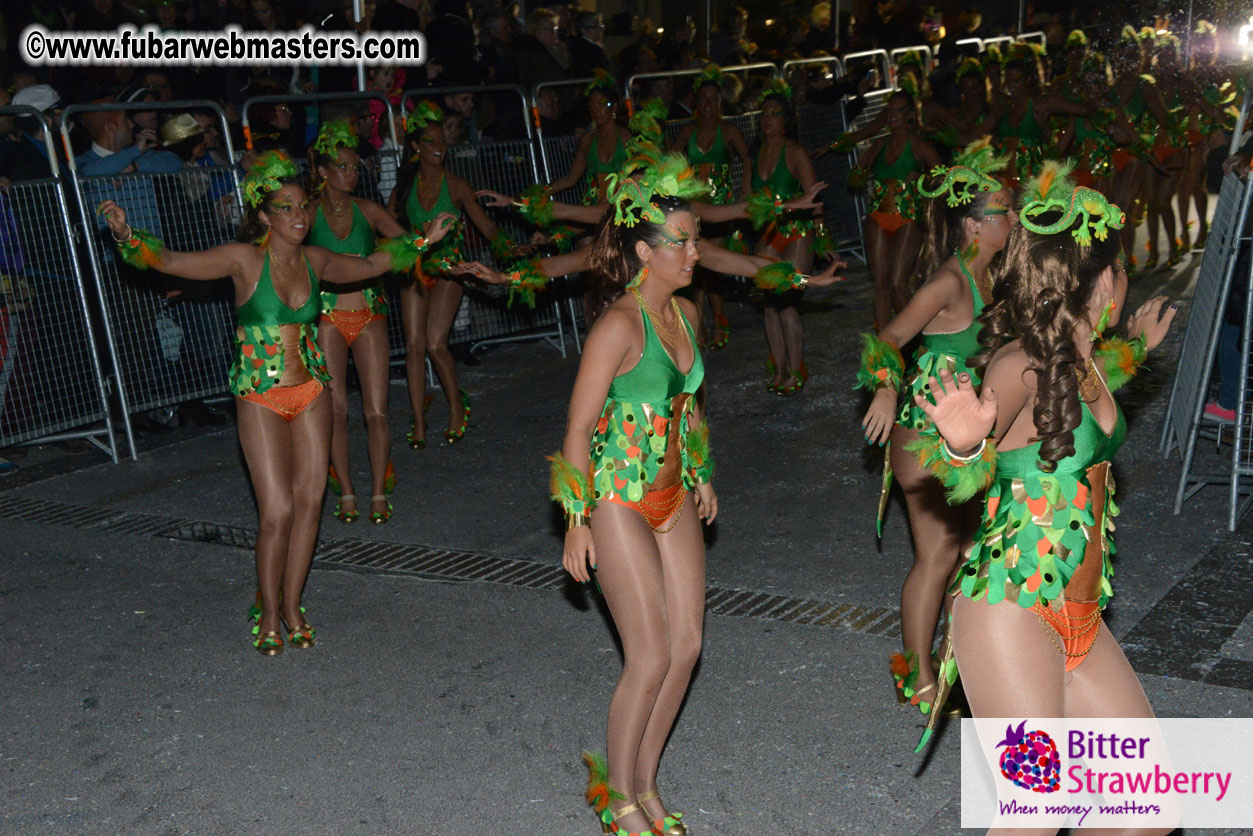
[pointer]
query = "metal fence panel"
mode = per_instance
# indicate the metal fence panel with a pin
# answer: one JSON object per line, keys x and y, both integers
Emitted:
{"x": 51, "y": 380}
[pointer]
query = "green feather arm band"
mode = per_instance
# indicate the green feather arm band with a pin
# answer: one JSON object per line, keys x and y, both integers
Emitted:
{"x": 535, "y": 204}
{"x": 735, "y": 243}
{"x": 141, "y": 249}
{"x": 569, "y": 487}
{"x": 780, "y": 277}
{"x": 964, "y": 477}
{"x": 858, "y": 178}
{"x": 525, "y": 280}
{"x": 403, "y": 251}
{"x": 562, "y": 237}
{"x": 1120, "y": 359}
{"x": 824, "y": 245}
{"x": 699, "y": 458}
{"x": 502, "y": 246}
{"x": 882, "y": 365}
{"x": 843, "y": 144}
{"x": 764, "y": 206}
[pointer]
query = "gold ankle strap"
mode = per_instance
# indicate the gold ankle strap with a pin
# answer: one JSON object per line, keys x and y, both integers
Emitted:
{"x": 647, "y": 796}
{"x": 625, "y": 811}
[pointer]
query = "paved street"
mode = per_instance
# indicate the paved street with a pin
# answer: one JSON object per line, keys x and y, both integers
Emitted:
{"x": 458, "y": 674}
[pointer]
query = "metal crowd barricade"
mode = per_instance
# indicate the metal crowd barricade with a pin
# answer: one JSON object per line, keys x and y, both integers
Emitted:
{"x": 507, "y": 167}
{"x": 165, "y": 350}
{"x": 896, "y": 54}
{"x": 767, "y": 67}
{"x": 877, "y": 58}
{"x": 1033, "y": 36}
{"x": 997, "y": 42}
{"x": 52, "y": 384}
{"x": 960, "y": 43}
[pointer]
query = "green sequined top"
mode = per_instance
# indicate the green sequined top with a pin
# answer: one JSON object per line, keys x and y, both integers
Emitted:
{"x": 359, "y": 241}
{"x": 259, "y": 358}
{"x": 718, "y": 160}
{"x": 638, "y": 424}
{"x": 448, "y": 250}
{"x": 1036, "y": 525}
{"x": 785, "y": 186}
{"x": 903, "y": 173}
{"x": 596, "y": 168}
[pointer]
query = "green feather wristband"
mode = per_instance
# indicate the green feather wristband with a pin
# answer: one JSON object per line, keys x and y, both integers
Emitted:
{"x": 699, "y": 457}
{"x": 403, "y": 251}
{"x": 569, "y": 487}
{"x": 535, "y": 205}
{"x": 963, "y": 477}
{"x": 525, "y": 280}
{"x": 141, "y": 249}
{"x": 763, "y": 208}
{"x": 882, "y": 365}
{"x": 780, "y": 277}
{"x": 1120, "y": 359}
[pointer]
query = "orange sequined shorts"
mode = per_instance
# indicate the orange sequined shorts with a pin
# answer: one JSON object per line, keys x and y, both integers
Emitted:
{"x": 350, "y": 324}
{"x": 1077, "y": 625}
{"x": 657, "y": 507}
{"x": 288, "y": 401}
{"x": 889, "y": 222}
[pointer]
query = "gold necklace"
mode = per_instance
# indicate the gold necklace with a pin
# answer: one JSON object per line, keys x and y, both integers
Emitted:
{"x": 1089, "y": 383}
{"x": 337, "y": 212}
{"x": 669, "y": 334}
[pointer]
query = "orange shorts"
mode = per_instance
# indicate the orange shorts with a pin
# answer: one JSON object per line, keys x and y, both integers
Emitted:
{"x": 350, "y": 324}
{"x": 658, "y": 506}
{"x": 889, "y": 222}
{"x": 288, "y": 401}
{"x": 1076, "y": 625}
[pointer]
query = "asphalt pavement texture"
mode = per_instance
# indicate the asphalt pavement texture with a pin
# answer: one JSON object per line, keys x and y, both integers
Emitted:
{"x": 458, "y": 675}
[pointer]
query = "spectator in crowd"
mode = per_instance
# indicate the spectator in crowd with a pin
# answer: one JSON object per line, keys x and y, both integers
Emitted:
{"x": 117, "y": 149}
{"x": 731, "y": 45}
{"x": 450, "y": 39}
{"x": 506, "y": 111}
{"x": 461, "y": 106}
{"x": 26, "y": 157}
{"x": 540, "y": 55}
{"x": 586, "y": 50}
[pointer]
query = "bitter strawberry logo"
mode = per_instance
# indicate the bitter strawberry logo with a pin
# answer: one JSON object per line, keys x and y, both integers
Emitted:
{"x": 1030, "y": 759}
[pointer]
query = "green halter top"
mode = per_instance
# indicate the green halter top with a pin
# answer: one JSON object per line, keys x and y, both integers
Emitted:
{"x": 616, "y": 162}
{"x": 965, "y": 343}
{"x": 259, "y": 357}
{"x": 780, "y": 181}
{"x": 905, "y": 165}
{"x": 655, "y": 379}
{"x": 419, "y": 216}
{"x": 358, "y": 241}
{"x": 1027, "y": 130}
{"x": 716, "y": 155}
{"x": 1092, "y": 446}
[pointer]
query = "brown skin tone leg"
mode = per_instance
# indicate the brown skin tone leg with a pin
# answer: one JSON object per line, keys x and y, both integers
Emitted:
{"x": 654, "y": 585}
{"x": 444, "y": 301}
{"x": 335, "y": 352}
{"x": 800, "y": 253}
{"x": 370, "y": 353}
{"x": 879, "y": 256}
{"x": 904, "y": 257}
{"x": 414, "y": 301}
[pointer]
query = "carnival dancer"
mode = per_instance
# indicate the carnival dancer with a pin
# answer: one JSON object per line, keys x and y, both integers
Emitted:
{"x": 782, "y": 169}
{"x": 1212, "y": 117}
{"x": 278, "y": 374}
{"x": 353, "y": 321}
{"x": 602, "y": 150}
{"x": 634, "y": 479}
{"x": 1021, "y": 118}
{"x": 969, "y": 218}
{"x": 428, "y": 306}
{"x": 893, "y": 235}
{"x": 711, "y": 143}
{"x": 1169, "y": 147}
{"x": 1025, "y": 630}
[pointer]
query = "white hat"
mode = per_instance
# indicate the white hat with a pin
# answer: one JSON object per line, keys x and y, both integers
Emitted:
{"x": 39, "y": 96}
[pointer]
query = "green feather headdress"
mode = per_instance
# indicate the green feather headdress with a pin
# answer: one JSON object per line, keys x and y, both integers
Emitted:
{"x": 912, "y": 58}
{"x": 1204, "y": 27}
{"x": 603, "y": 81}
{"x": 1054, "y": 191}
{"x": 775, "y": 87}
{"x": 968, "y": 66}
{"x": 710, "y": 75}
{"x": 1168, "y": 41}
{"x": 334, "y": 135}
{"x": 992, "y": 55}
{"x": 1077, "y": 38}
{"x": 909, "y": 85}
{"x": 1129, "y": 35}
{"x": 426, "y": 113}
{"x": 632, "y": 196}
{"x": 646, "y": 122}
{"x": 970, "y": 173}
{"x": 267, "y": 175}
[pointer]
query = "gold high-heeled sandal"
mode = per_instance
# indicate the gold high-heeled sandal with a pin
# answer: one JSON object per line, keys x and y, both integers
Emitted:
{"x": 668, "y": 825}
{"x": 269, "y": 643}
{"x": 609, "y": 821}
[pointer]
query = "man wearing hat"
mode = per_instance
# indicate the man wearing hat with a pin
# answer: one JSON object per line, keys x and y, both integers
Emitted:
{"x": 27, "y": 159}
{"x": 115, "y": 149}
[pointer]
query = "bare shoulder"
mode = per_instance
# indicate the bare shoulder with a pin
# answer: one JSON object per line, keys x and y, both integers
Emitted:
{"x": 1010, "y": 363}
{"x": 689, "y": 308}
{"x": 730, "y": 132}
{"x": 619, "y": 322}
{"x": 456, "y": 185}
{"x": 946, "y": 279}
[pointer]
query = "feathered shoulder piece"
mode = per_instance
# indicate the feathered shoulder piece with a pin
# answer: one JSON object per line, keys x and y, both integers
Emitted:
{"x": 775, "y": 87}
{"x": 710, "y": 75}
{"x": 968, "y": 66}
{"x": 1077, "y": 38}
{"x": 602, "y": 81}
{"x": 970, "y": 173}
{"x": 1054, "y": 191}
{"x": 267, "y": 175}
{"x": 332, "y": 136}
{"x": 632, "y": 191}
{"x": 426, "y": 113}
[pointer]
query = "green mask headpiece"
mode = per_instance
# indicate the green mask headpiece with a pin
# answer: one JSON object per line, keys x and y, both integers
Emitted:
{"x": 970, "y": 174}
{"x": 632, "y": 196}
{"x": 267, "y": 175}
{"x": 1054, "y": 191}
{"x": 334, "y": 135}
{"x": 426, "y": 113}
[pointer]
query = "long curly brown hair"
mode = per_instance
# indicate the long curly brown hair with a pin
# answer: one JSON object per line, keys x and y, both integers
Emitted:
{"x": 613, "y": 261}
{"x": 1046, "y": 284}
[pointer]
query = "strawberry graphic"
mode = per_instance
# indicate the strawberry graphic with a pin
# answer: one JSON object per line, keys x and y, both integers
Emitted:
{"x": 1030, "y": 759}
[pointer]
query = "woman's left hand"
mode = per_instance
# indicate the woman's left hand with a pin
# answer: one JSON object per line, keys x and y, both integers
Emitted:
{"x": 438, "y": 227}
{"x": 808, "y": 200}
{"x": 827, "y": 276}
{"x": 481, "y": 271}
{"x": 706, "y": 502}
{"x": 495, "y": 199}
{"x": 1150, "y": 322}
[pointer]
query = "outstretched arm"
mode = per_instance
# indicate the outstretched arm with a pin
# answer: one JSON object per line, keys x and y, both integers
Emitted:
{"x": 219, "y": 262}
{"x": 577, "y": 167}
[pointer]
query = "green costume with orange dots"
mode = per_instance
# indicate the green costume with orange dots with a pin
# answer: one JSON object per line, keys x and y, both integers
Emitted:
{"x": 718, "y": 159}
{"x": 359, "y": 241}
{"x": 448, "y": 251}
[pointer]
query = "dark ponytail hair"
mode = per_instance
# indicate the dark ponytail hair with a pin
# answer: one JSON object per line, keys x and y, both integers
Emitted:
{"x": 1049, "y": 280}
{"x": 251, "y": 229}
{"x": 613, "y": 261}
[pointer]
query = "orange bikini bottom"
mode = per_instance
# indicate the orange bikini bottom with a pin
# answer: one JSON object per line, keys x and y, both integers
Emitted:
{"x": 658, "y": 506}
{"x": 349, "y": 323}
{"x": 1121, "y": 158}
{"x": 1076, "y": 625}
{"x": 889, "y": 222}
{"x": 779, "y": 242}
{"x": 1164, "y": 152}
{"x": 288, "y": 401}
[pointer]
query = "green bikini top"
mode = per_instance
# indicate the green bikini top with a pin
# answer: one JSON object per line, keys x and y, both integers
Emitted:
{"x": 264, "y": 307}
{"x": 963, "y": 344}
{"x": 616, "y": 163}
{"x": 1027, "y": 129}
{"x": 358, "y": 241}
{"x": 418, "y": 216}
{"x": 716, "y": 155}
{"x": 655, "y": 379}
{"x": 1092, "y": 446}
{"x": 780, "y": 181}
{"x": 906, "y": 164}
